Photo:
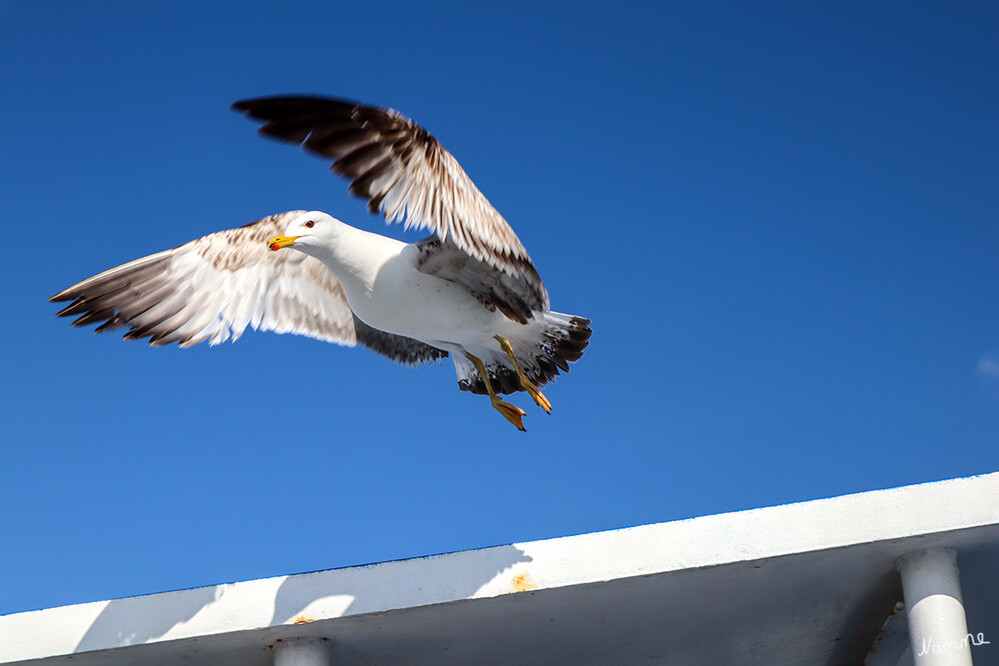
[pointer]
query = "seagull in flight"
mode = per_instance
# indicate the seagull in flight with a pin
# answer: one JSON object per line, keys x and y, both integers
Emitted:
{"x": 469, "y": 290}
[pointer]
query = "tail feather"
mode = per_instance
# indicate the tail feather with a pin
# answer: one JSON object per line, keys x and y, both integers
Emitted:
{"x": 543, "y": 350}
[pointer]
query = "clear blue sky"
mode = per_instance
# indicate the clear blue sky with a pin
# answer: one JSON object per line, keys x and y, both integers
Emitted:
{"x": 781, "y": 218}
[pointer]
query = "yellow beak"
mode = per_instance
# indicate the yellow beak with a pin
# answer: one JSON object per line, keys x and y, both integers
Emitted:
{"x": 281, "y": 241}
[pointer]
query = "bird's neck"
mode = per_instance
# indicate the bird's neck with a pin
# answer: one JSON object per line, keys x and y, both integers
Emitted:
{"x": 355, "y": 256}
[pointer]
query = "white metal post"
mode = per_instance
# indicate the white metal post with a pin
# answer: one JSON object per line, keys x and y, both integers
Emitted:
{"x": 301, "y": 652}
{"x": 938, "y": 630}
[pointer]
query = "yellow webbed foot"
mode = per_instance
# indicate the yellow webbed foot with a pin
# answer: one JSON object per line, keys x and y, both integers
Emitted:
{"x": 513, "y": 413}
{"x": 539, "y": 397}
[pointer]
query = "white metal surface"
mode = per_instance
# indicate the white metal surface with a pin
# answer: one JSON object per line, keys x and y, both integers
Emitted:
{"x": 807, "y": 583}
{"x": 938, "y": 630}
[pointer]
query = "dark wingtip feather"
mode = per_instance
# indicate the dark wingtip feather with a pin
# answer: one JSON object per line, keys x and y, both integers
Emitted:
{"x": 93, "y": 317}
{"x": 285, "y": 131}
{"x": 136, "y": 334}
{"x": 64, "y": 295}
{"x": 114, "y": 322}
{"x": 79, "y": 306}
{"x": 288, "y": 106}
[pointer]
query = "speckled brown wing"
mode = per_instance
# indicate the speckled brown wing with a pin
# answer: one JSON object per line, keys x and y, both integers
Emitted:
{"x": 212, "y": 288}
{"x": 405, "y": 173}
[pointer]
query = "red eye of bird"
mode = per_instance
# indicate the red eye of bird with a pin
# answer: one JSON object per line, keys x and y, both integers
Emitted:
{"x": 310, "y": 224}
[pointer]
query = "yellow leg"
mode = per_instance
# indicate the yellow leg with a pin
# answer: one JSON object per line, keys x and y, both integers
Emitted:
{"x": 535, "y": 392}
{"x": 513, "y": 413}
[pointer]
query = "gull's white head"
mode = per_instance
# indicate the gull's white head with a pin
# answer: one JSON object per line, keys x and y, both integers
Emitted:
{"x": 314, "y": 228}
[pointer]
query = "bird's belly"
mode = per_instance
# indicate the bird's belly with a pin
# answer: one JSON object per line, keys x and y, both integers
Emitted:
{"x": 425, "y": 308}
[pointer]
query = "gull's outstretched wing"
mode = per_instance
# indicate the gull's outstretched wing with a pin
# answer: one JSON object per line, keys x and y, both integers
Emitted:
{"x": 214, "y": 287}
{"x": 407, "y": 174}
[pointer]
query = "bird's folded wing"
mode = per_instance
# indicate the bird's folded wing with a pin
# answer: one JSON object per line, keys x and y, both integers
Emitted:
{"x": 405, "y": 173}
{"x": 214, "y": 287}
